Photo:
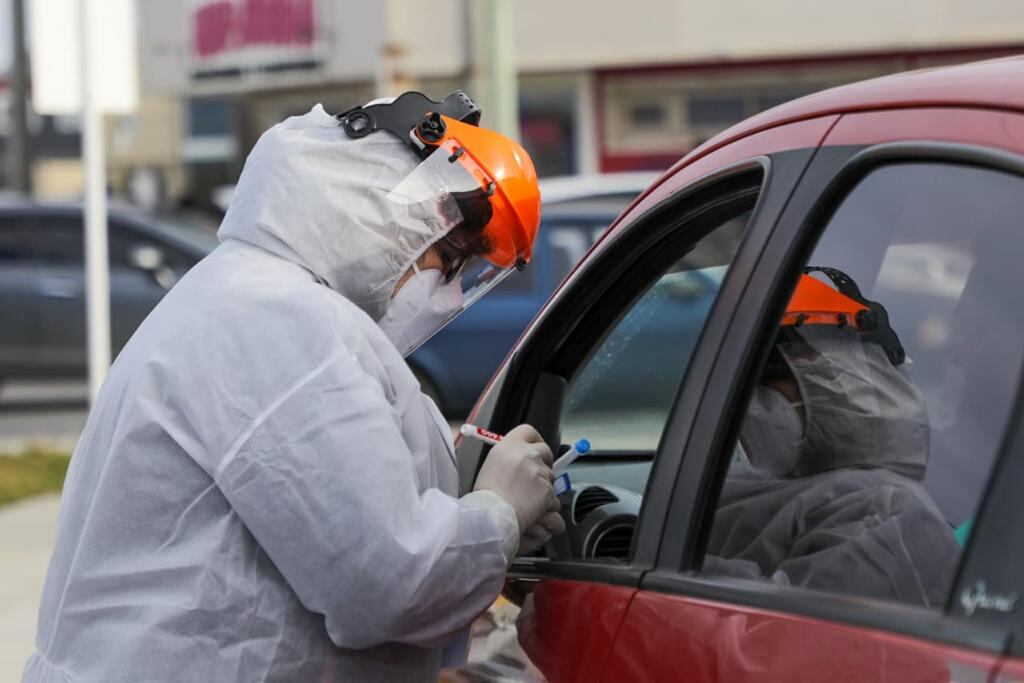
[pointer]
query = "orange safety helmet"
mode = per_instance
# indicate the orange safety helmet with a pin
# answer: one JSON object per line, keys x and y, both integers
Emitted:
{"x": 815, "y": 303}
{"x": 505, "y": 173}
{"x": 502, "y": 170}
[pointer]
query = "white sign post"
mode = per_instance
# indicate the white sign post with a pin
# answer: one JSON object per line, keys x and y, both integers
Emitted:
{"x": 84, "y": 60}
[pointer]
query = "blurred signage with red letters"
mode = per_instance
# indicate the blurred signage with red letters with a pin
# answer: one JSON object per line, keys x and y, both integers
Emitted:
{"x": 230, "y": 37}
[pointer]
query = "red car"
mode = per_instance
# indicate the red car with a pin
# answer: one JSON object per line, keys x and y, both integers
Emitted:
{"x": 890, "y": 546}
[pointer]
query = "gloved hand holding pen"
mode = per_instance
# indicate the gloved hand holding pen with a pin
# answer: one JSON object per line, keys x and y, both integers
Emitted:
{"x": 518, "y": 468}
{"x": 311, "y": 475}
{"x": 549, "y": 522}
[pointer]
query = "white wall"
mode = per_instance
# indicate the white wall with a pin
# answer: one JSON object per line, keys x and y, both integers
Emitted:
{"x": 569, "y": 35}
{"x": 582, "y": 33}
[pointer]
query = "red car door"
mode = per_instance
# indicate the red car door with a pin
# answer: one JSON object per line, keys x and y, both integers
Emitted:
{"x": 656, "y": 284}
{"x": 837, "y": 562}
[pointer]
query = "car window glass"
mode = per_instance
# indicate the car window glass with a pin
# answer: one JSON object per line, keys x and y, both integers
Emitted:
{"x": 872, "y": 430}
{"x": 15, "y": 241}
{"x": 58, "y": 241}
{"x": 621, "y": 397}
{"x": 121, "y": 242}
{"x": 124, "y": 241}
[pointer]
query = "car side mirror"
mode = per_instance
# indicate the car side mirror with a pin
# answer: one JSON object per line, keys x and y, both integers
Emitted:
{"x": 153, "y": 261}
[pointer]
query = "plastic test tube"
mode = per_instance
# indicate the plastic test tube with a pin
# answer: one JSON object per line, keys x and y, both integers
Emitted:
{"x": 581, "y": 447}
{"x": 562, "y": 483}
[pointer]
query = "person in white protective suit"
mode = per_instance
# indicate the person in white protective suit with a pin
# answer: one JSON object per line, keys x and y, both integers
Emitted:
{"x": 261, "y": 491}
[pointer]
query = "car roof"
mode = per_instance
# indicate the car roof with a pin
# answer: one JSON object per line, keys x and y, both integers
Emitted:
{"x": 994, "y": 84}
{"x": 572, "y": 214}
{"x": 567, "y": 188}
{"x": 16, "y": 201}
{"x": 178, "y": 233}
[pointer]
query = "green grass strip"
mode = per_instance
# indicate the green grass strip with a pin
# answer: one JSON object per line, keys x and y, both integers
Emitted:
{"x": 31, "y": 474}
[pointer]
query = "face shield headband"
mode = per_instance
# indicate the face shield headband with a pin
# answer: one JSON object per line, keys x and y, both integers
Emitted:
{"x": 412, "y": 117}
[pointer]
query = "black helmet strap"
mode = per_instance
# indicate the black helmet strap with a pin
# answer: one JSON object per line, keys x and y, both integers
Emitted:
{"x": 406, "y": 113}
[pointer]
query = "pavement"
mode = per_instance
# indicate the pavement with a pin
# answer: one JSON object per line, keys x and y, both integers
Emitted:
{"x": 41, "y": 415}
{"x": 27, "y": 530}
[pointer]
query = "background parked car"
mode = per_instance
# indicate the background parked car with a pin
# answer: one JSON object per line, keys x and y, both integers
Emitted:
{"x": 42, "y": 281}
{"x": 42, "y": 284}
{"x": 454, "y": 366}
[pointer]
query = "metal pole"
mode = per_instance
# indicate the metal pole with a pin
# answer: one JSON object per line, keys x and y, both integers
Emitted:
{"x": 20, "y": 178}
{"x": 97, "y": 276}
{"x": 504, "y": 76}
{"x": 468, "y": 51}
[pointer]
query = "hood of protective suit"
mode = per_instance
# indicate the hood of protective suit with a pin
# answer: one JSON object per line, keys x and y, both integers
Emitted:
{"x": 859, "y": 411}
{"x": 310, "y": 194}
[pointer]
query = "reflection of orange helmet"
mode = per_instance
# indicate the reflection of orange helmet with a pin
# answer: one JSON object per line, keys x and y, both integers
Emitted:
{"x": 505, "y": 172}
{"x": 815, "y": 303}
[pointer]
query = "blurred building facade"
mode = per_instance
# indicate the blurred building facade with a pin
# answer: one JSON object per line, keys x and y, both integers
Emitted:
{"x": 56, "y": 149}
{"x": 602, "y": 86}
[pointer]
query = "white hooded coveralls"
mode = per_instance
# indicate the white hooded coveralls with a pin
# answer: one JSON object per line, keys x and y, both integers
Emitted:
{"x": 261, "y": 492}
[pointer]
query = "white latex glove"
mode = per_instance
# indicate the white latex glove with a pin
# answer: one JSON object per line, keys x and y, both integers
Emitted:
{"x": 519, "y": 470}
{"x": 549, "y": 525}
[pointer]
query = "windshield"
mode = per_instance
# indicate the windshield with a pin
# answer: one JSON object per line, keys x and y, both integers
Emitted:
{"x": 189, "y": 235}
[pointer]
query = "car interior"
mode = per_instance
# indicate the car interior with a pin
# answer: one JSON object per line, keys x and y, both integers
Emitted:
{"x": 610, "y": 374}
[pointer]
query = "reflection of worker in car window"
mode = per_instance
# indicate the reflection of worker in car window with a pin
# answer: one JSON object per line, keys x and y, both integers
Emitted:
{"x": 837, "y": 442}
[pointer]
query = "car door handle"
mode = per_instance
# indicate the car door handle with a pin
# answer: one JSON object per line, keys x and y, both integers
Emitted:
{"x": 518, "y": 587}
{"x": 54, "y": 288}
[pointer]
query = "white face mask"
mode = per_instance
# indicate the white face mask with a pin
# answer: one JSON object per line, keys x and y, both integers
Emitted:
{"x": 422, "y": 306}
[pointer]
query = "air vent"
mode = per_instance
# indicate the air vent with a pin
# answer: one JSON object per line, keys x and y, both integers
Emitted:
{"x": 589, "y": 500}
{"x": 614, "y": 543}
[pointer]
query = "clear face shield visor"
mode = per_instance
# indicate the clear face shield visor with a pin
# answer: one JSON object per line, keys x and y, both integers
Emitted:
{"x": 456, "y": 191}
